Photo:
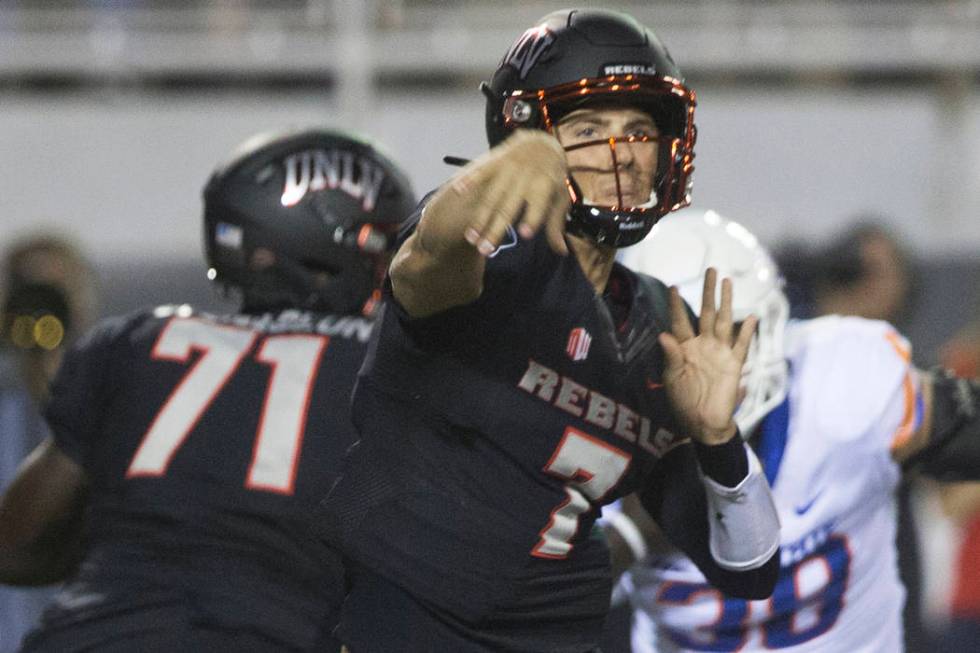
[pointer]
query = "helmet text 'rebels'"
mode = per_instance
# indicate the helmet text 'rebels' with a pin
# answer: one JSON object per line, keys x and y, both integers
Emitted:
{"x": 679, "y": 251}
{"x": 577, "y": 59}
{"x": 305, "y": 220}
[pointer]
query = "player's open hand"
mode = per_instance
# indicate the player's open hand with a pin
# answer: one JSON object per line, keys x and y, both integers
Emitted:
{"x": 523, "y": 185}
{"x": 704, "y": 370}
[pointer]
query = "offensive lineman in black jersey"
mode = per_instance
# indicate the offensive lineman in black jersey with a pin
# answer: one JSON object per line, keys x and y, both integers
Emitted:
{"x": 197, "y": 444}
{"x": 520, "y": 379}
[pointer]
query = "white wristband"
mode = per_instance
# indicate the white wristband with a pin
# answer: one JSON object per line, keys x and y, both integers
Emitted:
{"x": 627, "y": 530}
{"x": 743, "y": 522}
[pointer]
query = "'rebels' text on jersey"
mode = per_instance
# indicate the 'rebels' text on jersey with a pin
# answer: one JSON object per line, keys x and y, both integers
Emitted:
{"x": 208, "y": 440}
{"x": 491, "y": 434}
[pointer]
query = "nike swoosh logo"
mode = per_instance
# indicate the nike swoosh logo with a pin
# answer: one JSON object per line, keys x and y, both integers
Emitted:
{"x": 653, "y": 386}
{"x": 802, "y": 509}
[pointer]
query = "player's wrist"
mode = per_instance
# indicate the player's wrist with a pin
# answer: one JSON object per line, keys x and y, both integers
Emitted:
{"x": 715, "y": 437}
{"x": 441, "y": 232}
{"x": 727, "y": 463}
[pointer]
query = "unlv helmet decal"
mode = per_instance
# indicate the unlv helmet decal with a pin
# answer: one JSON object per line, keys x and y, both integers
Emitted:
{"x": 528, "y": 49}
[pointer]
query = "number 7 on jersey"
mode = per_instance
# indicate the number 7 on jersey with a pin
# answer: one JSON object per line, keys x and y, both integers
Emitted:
{"x": 591, "y": 468}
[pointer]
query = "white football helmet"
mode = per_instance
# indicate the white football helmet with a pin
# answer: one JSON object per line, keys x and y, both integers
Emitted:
{"x": 678, "y": 251}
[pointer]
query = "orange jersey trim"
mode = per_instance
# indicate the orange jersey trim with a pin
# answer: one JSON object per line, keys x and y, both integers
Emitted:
{"x": 907, "y": 428}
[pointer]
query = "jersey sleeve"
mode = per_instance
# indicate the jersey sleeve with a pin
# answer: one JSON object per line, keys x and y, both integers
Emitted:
{"x": 856, "y": 380}
{"x": 509, "y": 280}
{"x": 75, "y": 406}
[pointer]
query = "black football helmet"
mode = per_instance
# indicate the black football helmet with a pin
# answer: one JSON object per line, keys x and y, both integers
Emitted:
{"x": 575, "y": 58}
{"x": 304, "y": 220}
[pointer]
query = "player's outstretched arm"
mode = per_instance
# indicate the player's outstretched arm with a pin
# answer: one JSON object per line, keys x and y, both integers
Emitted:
{"x": 520, "y": 184}
{"x": 41, "y": 518}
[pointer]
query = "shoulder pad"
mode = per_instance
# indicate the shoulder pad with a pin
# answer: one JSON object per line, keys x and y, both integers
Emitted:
{"x": 845, "y": 371}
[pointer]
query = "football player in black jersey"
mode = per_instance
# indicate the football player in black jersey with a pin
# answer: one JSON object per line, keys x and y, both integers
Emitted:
{"x": 520, "y": 378}
{"x": 196, "y": 446}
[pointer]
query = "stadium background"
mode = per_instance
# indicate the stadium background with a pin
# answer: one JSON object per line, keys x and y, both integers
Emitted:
{"x": 113, "y": 113}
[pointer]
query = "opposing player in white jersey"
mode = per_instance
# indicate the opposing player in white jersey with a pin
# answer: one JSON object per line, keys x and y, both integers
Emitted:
{"x": 836, "y": 411}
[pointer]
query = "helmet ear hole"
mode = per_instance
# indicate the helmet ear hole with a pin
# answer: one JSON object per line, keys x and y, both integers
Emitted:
{"x": 519, "y": 112}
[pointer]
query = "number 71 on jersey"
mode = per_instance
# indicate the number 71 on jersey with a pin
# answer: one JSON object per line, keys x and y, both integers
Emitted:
{"x": 294, "y": 359}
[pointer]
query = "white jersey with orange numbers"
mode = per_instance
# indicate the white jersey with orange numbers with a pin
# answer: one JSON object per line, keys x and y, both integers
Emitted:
{"x": 827, "y": 452}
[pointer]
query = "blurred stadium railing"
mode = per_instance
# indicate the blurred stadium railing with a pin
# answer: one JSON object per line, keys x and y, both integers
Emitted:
{"x": 425, "y": 37}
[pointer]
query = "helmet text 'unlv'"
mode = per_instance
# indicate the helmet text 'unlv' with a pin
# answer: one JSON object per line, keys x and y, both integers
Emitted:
{"x": 315, "y": 170}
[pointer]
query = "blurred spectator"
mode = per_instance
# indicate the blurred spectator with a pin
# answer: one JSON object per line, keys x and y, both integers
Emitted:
{"x": 44, "y": 274}
{"x": 865, "y": 271}
{"x": 48, "y": 296}
{"x": 962, "y": 503}
{"x": 961, "y": 353}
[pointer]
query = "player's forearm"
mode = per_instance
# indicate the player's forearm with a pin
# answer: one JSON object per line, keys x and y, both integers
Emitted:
{"x": 730, "y": 533}
{"x": 41, "y": 518}
{"x": 33, "y": 552}
{"x": 517, "y": 187}
{"x": 743, "y": 522}
{"x": 446, "y": 218}
{"x": 50, "y": 559}
{"x": 20, "y": 569}
{"x": 436, "y": 268}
